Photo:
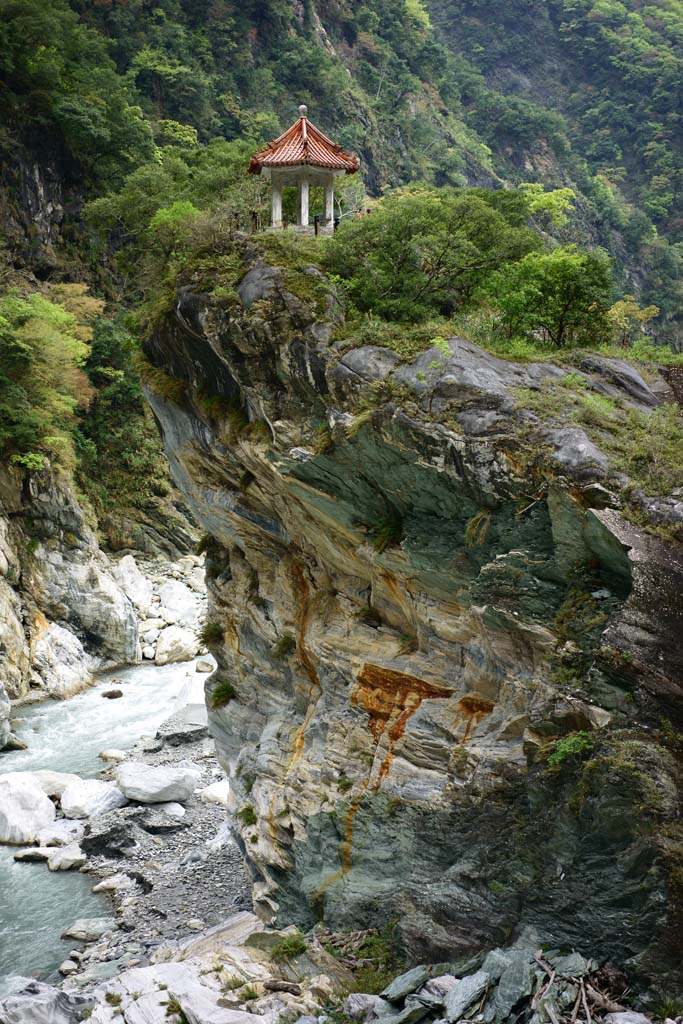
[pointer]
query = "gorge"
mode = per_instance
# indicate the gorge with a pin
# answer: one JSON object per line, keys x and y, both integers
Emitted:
{"x": 341, "y": 510}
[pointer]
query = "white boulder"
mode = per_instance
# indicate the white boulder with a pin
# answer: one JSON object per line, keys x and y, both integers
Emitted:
{"x": 114, "y": 883}
{"x": 112, "y": 755}
{"x": 180, "y": 601}
{"x": 65, "y": 858}
{"x": 61, "y": 833}
{"x": 61, "y": 661}
{"x": 216, "y": 793}
{"x": 148, "y": 784}
{"x": 89, "y": 797}
{"x": 5, "y": 707}
{"x": 172, "y": 809}
{"x": 148, "y": 652}
{"x": 24, "y": 809}
{"x": 176, "y": 644}
{"x": 137, "y": 588}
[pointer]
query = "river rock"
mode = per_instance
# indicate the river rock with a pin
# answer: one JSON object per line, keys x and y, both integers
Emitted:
{"x": 152, "y": 625}
{"x": 38, "y": 1003}
{"x": 149, "y": 784}
{"x": 67, "y": 967}
{"x": 62, "y": 832}
{"x": 32, "y": 855}
{"x": 112, "y": 755}
{"x": 111, "y": 694}
{"x": 148, "y": 652}
{"x": 89, "y": 797}
{"x": 135, "y": 585}
{"x": 24, "y": 809}
{"x": 89, "y": 929}
{"x": 5, "y": 706}
{"x": 204, "y": 665}
{"x": 66, "y": 858}
{"x": 178, "y": 599}
{"x": 114, "y": 883}
{"x": 14, "y": 743}
{"x": 216, "y": 793}
{"x": 54, "y": 783}
{"x": 112, "y": 834}
{"x": 173, "y": 809}
{"x": 176, "y": 643}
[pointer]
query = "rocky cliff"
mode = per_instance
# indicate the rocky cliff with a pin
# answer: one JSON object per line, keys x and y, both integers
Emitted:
{"x": 449, "y": 680}
{"x": 63, "y": 612}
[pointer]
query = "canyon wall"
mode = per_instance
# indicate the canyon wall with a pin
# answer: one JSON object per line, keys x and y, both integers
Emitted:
{"x": 63, "y": 611}
{"x": 449, "y": 682}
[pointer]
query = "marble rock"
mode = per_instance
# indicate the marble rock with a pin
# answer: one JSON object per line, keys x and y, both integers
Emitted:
{"x": 176, "y": 643}
{"x": 135, "y": 585}
{"x": 62, "y": 832}
{"x": 89, "y": 797}
{"x": 62, "y": 662}
{"x": 37, "y": 1003}
{"x": 148, "y": 784}
{"x": 66, "y": 858}
{"x": 178, "y": 599}
{"x": 24, "y": 809}
{"x": 216, "y": 793}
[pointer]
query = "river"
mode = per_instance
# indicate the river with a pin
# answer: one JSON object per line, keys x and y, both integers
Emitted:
{"x": 36, "y": 905}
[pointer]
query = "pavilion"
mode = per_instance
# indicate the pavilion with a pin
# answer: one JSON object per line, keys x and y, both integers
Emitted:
{"x": 303, "y": 156}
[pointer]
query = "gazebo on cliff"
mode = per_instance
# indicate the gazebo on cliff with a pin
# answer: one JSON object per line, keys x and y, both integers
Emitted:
{"x": 303, "y": 156}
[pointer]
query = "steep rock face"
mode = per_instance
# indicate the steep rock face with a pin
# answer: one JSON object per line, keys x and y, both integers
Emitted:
{"x": 62, "y": 612}
{"x": 421, "y": 588}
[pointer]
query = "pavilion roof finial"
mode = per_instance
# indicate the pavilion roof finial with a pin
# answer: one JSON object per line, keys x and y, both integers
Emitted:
{"x": 303, "y": 110}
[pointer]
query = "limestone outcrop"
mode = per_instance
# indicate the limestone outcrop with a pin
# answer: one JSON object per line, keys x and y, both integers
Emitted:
{"x": 448, "y": 661}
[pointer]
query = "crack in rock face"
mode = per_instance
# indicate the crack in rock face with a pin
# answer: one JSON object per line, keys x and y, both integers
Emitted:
{"x": 442, "y": 666}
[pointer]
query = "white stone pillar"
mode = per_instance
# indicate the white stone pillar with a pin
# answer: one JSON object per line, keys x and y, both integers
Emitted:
{"x": 276, "y": 203}
{"x": 303, "y": 202}
{"x": 329, "y": 200}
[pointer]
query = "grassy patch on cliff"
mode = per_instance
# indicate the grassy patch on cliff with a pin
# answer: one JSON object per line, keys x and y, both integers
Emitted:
{"x": 645, "y": 446}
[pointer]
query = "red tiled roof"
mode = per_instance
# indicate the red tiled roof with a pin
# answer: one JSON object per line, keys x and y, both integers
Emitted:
{"x": 303, "y": 143}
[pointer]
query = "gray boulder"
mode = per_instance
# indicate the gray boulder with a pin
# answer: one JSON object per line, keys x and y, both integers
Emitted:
{"x": 461, "y": 997}
{"x": 89, "y": 929}
{"x": 185, "y": 726}
{"x": 151, "y": 785}
{"x": 406, "y": 983}
{"x": 362, "y": 1007}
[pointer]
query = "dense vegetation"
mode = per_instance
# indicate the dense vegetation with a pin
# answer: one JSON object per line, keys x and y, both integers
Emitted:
{"x": 147, "y": 114}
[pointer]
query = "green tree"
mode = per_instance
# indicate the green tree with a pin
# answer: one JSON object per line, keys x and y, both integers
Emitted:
{"x": 562, "y": 296}
{"x": 423, "y": 251}
{"x": 43, "y": 349}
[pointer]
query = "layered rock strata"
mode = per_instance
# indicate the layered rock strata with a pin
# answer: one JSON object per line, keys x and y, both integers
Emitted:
{"x": 449, "y": 663}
